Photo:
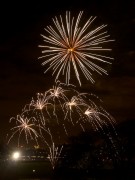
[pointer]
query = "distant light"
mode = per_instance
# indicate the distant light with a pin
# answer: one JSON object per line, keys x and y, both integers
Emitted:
{"x": 16, "y": 155}
{"x": 33, "y": 170}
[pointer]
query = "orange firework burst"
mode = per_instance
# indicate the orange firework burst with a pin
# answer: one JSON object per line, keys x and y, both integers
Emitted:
{"x": 70, "y": 45}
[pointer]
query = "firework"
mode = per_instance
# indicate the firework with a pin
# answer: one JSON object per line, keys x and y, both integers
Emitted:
{"x": 78, "y": 109}
{"x": 53, "y": 151}
{"x": 57, "y": 92}
{"x": 24, "y": 125}
{"x": 98, "y": 117}
{"x": 56, "y": 95}
{"x": 54, "y": 154}
{"x": 40, "y": 106}
{"x": 69, "y": 46}
{"x": 74, "y": 111}
{"x": 40, "y": 103}
{"x": 76, "y": 103}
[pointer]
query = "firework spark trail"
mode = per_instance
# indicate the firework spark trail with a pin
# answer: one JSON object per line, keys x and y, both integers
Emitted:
{"x": 41, "y": 103}
{"x": 76, "y": 102}
{"x": 65, "y": 129}
{"x": 57, "y": 94}
{"x": 92, "y": 117}
{"x": 25, "y": 125}
{"x": 77, "y": 109}
{"x": 80, "y": 104}
{"x": 54, "y": 154}
{"x": 98, "y": 117}
{"x": 53, "y": 151}
{"x": 70, "y": 46}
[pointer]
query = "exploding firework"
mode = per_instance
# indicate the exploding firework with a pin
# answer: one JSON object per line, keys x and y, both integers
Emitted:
{"x": 76, "y": 103}
{"x": 69, "y": 46}
{"x": 24, "y": 125}
{"x": 54, "y": 154}
{"x": 68, "y": 106}
{"x": 57, "y": 92}
{"x": 72, "y": 110}
{"x": 39, "y": 105}
{"x": 57, "y": 97}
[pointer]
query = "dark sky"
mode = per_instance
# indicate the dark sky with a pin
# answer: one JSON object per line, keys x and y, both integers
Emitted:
{"x": 22, "y": 76}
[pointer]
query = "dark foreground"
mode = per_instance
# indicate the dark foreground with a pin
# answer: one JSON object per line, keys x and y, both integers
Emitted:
{"x": 43, "y": 171}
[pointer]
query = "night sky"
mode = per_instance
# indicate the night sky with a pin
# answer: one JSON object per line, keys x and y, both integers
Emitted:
{"x": 22, "y": 76}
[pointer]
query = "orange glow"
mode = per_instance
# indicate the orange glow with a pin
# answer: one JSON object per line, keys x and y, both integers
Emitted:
{"x": 71, "y": 50}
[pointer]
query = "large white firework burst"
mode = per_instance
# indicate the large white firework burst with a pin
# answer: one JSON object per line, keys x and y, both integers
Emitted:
{"x": 71, "y": 45}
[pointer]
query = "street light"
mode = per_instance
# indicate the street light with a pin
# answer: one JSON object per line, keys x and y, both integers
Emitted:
{"x": 16, "y": 155}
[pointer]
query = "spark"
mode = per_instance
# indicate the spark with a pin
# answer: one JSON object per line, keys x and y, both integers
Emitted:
{"x": 39, "y": 105}
{"x": 57, "y": 92}
{"x": 24, "y": 125}
{"x": 54, "y": 154}
{"x": 53, "y": 151}
{"x": 79, "y": 109}
{"x": 98, "y": 117}
{"x": 41, "y": 101}
{"x": 57, "y": 95}
{"x": 69, "y": 46}
{"x": 76, "y": 102}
